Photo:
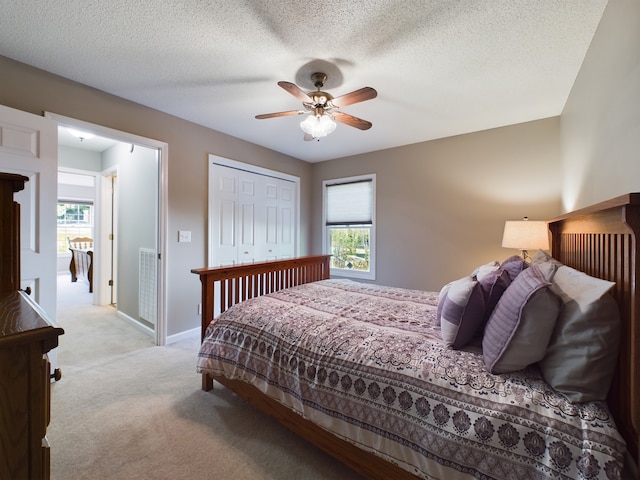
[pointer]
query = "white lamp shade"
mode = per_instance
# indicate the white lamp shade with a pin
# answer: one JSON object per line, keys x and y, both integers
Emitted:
{"x": 526, "y": 235}
{"x": 318, "y": 126}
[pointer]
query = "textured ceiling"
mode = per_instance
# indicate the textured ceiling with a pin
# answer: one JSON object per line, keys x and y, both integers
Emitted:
{"x": 441, "y": 67}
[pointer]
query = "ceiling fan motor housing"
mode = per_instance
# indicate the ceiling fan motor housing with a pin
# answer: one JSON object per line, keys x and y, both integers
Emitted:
{"x": 319, "y": 98}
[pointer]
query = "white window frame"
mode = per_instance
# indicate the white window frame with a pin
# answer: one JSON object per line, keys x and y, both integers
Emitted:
{"x": 343, "y": 272}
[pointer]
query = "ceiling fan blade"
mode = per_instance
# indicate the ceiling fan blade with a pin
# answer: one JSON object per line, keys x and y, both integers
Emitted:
{"x": 294, "y": 90}
{"x": 365, "y": 93}
{"x": 280, "y": 114}
{"x": 351, "y": 120}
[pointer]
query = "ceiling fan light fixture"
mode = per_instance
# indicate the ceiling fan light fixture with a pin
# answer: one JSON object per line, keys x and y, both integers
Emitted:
{"x": 318, "y": 126}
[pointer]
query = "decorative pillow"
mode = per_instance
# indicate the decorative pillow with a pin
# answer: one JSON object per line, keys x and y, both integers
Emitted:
{"x": 543, "y": 257}
{"x": 441, "y": 296}
{"x": 513, "y": 265}
{"x": 480, "y": 272}
{"x": 520, "y": 327}
{"x": 548, "y": 265}
{"x": 493, "y": 286}
{"x": 583, "y": 351}
{"x": 461, "y": 312}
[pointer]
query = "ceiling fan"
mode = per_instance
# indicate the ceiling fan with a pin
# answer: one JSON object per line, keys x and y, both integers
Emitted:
{"x": 324, "y": 108}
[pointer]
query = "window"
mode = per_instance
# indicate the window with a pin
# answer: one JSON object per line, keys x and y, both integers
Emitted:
{"x": 75, "y": 219}
{"x": 349, "y": 225}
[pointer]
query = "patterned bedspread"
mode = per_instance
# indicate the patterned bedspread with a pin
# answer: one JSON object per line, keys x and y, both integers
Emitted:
{"x": 367, "y": 363}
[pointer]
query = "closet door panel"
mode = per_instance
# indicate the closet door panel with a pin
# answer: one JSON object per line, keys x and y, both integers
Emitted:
{"x": 286, "y": 228}
{"x": 248, "y": 199}
{"x": 223, "y": 204}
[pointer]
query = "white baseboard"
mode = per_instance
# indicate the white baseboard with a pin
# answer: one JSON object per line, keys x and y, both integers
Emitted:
{"x": 194, "y": 332}
{"x": 136, "y": 324}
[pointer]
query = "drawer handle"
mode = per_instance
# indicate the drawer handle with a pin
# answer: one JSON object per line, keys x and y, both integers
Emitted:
{"x": 56, "y": 375}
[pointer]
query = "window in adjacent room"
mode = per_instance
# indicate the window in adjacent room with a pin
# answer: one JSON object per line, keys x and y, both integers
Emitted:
{"x": 75, "y": 219}
{"x": 349, "y": 225}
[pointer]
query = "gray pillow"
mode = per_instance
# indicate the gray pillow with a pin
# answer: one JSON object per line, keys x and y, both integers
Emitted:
{"x": 461, "y": 312}
{"x": 543, "y": 257}
{"x": 520, "y": 327}
{"x": 581, "y": 357}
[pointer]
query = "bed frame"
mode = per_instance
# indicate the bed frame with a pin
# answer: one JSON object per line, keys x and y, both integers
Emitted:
{"x": 601, "y": 240}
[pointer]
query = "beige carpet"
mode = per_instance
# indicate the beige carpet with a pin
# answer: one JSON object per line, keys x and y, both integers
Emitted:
{"x": 126, "y": 409}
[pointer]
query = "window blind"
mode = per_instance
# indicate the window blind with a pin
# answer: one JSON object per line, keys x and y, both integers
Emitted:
{"x": 350, "y": 203}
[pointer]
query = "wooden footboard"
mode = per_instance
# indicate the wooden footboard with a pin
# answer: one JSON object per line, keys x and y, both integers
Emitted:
{"x": 81, "y": 266}
{"x": 237, "y": 283}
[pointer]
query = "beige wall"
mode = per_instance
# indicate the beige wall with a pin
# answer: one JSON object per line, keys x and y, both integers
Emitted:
{"x": 601, "y": 120}
{"x": 441, "y": 205}
{"x": 35, "y": 91}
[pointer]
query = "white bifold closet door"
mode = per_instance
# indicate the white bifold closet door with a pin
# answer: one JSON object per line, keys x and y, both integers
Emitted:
{"x": 251, "y": 216}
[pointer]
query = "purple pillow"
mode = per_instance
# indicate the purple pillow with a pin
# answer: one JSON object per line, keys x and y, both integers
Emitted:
{"x": 461, "y": 312}
{"x": 493, "y": 286}
{"x": 520, "y": 327}
{"x": 514, "y": 265}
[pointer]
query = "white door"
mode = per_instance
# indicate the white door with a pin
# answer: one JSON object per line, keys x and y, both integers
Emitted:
{"x": 286, "y": 211}
{"x": 107, "y": 273}
{"x": 269, "y": 221}
{"x": 223, "y": 204}
{"x": 246, "y": 219}
{"x": 275, "y": 223}
{"x": 29, "y": 147}
{"x": 252, "y": 216}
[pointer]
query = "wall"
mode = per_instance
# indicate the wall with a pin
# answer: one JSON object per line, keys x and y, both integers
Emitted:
{"x": 441, "y": 205}
{"x": 601, "y": 120}
{"x": 137, "y": 190}
{"x": 78, "y": 158}
{"x": 35, "y": 91}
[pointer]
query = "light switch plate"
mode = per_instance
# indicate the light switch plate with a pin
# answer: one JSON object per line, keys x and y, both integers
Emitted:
{"x": 184, "y": 236}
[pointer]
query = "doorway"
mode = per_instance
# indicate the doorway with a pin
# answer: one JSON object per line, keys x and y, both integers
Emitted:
{"x": 129, "y": 243}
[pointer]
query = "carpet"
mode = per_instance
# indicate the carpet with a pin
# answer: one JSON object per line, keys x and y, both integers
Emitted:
{"x": 127, "y": 409}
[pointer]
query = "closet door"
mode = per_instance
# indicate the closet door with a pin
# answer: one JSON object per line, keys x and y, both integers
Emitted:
{"x": 223, "y": 207}
{"x": 270, "y": 219}
{"x": 251, "y": 216}
{"x": 286, "y": 211}
{"x": 248, "y": 205}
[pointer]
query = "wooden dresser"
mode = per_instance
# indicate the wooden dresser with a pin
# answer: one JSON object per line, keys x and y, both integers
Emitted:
{"x": 26, "y": 335}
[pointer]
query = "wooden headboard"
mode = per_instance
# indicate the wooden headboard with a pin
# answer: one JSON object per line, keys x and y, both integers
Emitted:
{"x": 602, "y": 241}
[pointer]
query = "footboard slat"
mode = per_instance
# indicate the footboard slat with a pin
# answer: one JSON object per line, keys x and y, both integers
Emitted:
{"x": 235, "y": 284}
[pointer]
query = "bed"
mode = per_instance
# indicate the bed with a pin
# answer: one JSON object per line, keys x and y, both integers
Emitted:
{"x": 426, "y": 409}
{"x": 81, "y": 264}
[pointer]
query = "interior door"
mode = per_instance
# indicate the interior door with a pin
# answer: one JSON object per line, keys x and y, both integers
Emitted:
{"x": 29, "y": 147}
